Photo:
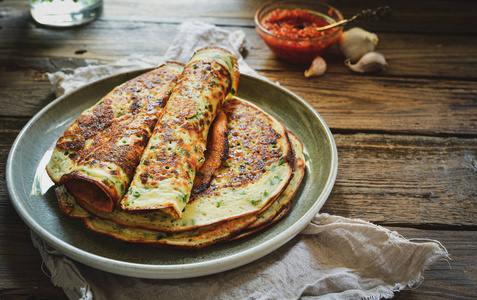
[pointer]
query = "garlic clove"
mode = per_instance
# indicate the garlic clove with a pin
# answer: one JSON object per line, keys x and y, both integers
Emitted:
{"x": 370, "y": 62}
{"x": 356, "y": 42}
{"x": 317, "y": 67}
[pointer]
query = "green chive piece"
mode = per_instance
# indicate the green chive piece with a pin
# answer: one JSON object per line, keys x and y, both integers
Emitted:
{"x": 185, "y": 198}
{"x": 275, "y": 180}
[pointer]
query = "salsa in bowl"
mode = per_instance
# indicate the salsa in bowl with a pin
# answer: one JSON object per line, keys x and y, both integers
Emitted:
{"x": 289, "y": 29}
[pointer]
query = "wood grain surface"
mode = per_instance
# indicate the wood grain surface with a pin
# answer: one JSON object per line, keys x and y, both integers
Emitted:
{"x": 406, "y": 138}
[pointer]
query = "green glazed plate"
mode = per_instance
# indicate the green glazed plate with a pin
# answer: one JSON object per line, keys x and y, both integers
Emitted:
{"x": 34, "y": 199}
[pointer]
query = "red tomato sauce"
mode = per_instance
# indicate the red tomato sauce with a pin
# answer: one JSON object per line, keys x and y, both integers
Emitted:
{"x": 295, "y": 38}
{"x": 294, "y": 23}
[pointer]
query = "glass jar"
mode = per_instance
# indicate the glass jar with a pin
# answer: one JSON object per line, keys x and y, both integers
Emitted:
{"x": 65, "y": 13}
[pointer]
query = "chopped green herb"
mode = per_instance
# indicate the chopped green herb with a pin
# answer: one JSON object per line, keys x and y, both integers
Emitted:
{"x": 118, "y": 227}
{"x": 219, "y": 202}
{"x": 193, "y": 116}
{"x": 163, "y": 235}
{"x": 136, "y": 194}
{"x": 281, "y": 161}
{"x": 185, "y": 198}
{"x": 255, "y": 201}
{"x": 275, "y": 180}
{"x": 265, "y": 194}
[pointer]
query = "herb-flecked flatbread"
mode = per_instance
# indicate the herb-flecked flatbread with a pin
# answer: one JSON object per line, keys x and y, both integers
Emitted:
{"x": 165, "y": 175}
{"x": 98, "y": 154}
{"x": 203, "y": 236}
{"x": 282, "y": 206}
{"x": 257, "y": 169}
{"x": 206, "y": 167}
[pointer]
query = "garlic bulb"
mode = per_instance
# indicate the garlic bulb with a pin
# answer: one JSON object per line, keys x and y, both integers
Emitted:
{"x": 356, "y": 42}
{"x": 317, "y": 68}
{"x": 370, "y": 62}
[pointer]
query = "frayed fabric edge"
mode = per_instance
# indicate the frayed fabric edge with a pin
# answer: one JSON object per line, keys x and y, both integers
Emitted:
{"x": 63, "y": 272}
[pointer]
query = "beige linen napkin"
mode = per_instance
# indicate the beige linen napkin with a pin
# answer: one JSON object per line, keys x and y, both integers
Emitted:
{"x": 192, "y": 36}
{"x": 332, "y": 258}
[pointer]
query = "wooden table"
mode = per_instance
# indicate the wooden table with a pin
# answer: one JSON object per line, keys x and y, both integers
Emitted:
{"x": 407, "y": 138}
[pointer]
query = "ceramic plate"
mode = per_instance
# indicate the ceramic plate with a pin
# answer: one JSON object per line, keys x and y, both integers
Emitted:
{"x": 34, "y": 199}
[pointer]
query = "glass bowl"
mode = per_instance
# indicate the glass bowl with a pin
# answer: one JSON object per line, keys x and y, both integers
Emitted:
{"x": 299, "y": 49}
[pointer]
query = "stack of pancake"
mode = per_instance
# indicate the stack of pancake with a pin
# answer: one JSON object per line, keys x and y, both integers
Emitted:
{"x": 173, "y": 158}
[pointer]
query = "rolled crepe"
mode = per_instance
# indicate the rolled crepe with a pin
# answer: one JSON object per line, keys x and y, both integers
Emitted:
{"x": 258, "y": 167}
{"x": 96, "y": 157}
{"x": 165, "y": 175}
{"x": 201, "y": 236}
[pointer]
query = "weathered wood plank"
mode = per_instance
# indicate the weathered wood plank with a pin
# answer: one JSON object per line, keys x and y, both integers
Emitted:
{"x": 425, "y": 16}
{"x": 346, "y": 101}
{"x": 38, "y": 293}
{"x": 9, "y": 129}
{"x": 408, "y": 55}
{"x": 408, "y": 16}
{"x": 21, "y": 38}
{"x": 402, "y": 105}
{"x": 25, "y": 92}
{"x": 21, "y": 261}
{"x": 406, "y": 180}
{"x": 453, "y": 279}
{"x": 414, "y": 55}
